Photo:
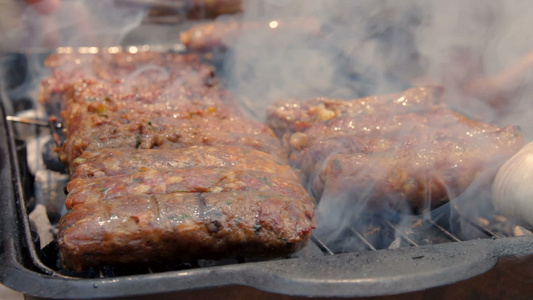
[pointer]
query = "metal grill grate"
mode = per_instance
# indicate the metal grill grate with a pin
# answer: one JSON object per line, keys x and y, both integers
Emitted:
{"x": 385, "y": 234}
{"x": 431, "y": 232}
{"x": 427, "y": 248}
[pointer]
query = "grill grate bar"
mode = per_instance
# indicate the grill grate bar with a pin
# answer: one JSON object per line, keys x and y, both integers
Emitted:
{"x": 321, "y": 245}
{"x": 446, "y": 232}
{"x": 481, "y": 228}
{"x": 360, "y": 236}
{"x": 402, "y": 235}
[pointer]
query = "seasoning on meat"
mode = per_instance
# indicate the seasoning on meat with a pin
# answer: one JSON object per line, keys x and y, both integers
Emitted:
{"x": 187, "y": 180}
{"x": 112, "y": 161}
{"x": 391, "y": 150}
{"x": 177, "y": 110}
{"x": 165, "y": 168}
{"x": 180, "y": 227}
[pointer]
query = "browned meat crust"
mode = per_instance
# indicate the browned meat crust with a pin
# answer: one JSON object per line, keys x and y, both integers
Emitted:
{"x": 174, "y": 228}
{"x": 164, "y": 166}
{"x": 109, "y": 162}
{"x": 142, "y": 75}
{"x": 145, "y": 138}
{"x": 293, "y": 115}
{"x": 174, "y": 111}
{"x": 199, "y": 9}
{"x": 220, "y": 34}
{"x": 211, "y": 9}
{"x": 185, "y": 180}
{"x": 391, "y": 150}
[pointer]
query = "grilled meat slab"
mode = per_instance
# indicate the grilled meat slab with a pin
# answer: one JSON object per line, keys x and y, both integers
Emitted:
{"x": 112, "y": 161}
{"x": 185, "y": 180}
{"x": 148, "y": 110}
{"x": 402, "y": 151}
{"x": 180, "y": 227}
{"x": 165, "y": 168}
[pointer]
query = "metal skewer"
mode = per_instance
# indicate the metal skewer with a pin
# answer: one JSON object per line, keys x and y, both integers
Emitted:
{"x": 37, "y": 122}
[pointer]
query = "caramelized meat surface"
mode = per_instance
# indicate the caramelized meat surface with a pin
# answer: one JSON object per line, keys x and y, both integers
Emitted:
{"x": 186, "y": 180}
{"x": 165, "y": 168}
{"x": 180, "y": 227}
{"x": 149, "y": 102}
{"x": 401, "y": 151}
{"x": 112, "y": 161}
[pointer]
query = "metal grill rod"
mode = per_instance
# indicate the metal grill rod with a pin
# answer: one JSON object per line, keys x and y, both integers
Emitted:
{"x": 446, "y": 232}
{"x": 486, "y": 231}
{"x": 402, "y": 235}
{"x": 481, "y": 228}
{"x": 321, "y": 245}
{"x": 360, "y": 236}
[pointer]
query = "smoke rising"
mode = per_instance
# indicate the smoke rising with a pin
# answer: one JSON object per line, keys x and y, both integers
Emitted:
{"x": 478, "y": 51}
{"x": 378, "y": 47}
{"x": 356, "y": 53}
{"x": 80, "y": 23}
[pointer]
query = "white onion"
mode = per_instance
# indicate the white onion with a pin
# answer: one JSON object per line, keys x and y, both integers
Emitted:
{"x": 512, "y": 190}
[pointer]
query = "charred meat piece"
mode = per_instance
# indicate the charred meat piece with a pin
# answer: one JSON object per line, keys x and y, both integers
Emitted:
{"x": 294, "y": 115}
{"x": 141, "y": 136}
{"x": 141, "y": 74}
{"x": 379, "y": 133}
{"x": 213, "y": 8}
{"x": 211, "y": 35}
{"x": 425, "y": 177}
{"x": 166, "y": 113}
{"x": 173, "y": 228}
{"x": 401, "y": 151}
{"x": 110, "y": 162}
{"x": 86, "y": 104}
{"x": 165, "y": 168}
{"x": 186, "y": 180}
{"x": 220, "y": 34}
{"x": 192, "y": 9}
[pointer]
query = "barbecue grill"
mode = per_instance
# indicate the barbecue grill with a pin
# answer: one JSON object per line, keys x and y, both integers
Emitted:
{"x": 386, "y": 257}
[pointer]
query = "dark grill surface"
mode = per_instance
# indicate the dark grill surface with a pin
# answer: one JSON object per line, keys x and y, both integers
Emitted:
{"x": 389, "y": 254}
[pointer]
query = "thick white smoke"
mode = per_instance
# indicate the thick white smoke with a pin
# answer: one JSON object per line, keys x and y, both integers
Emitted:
{"x": 79, "y": 23}
{"x": 479, "y": 51}
{"x": 475, "y": 49}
